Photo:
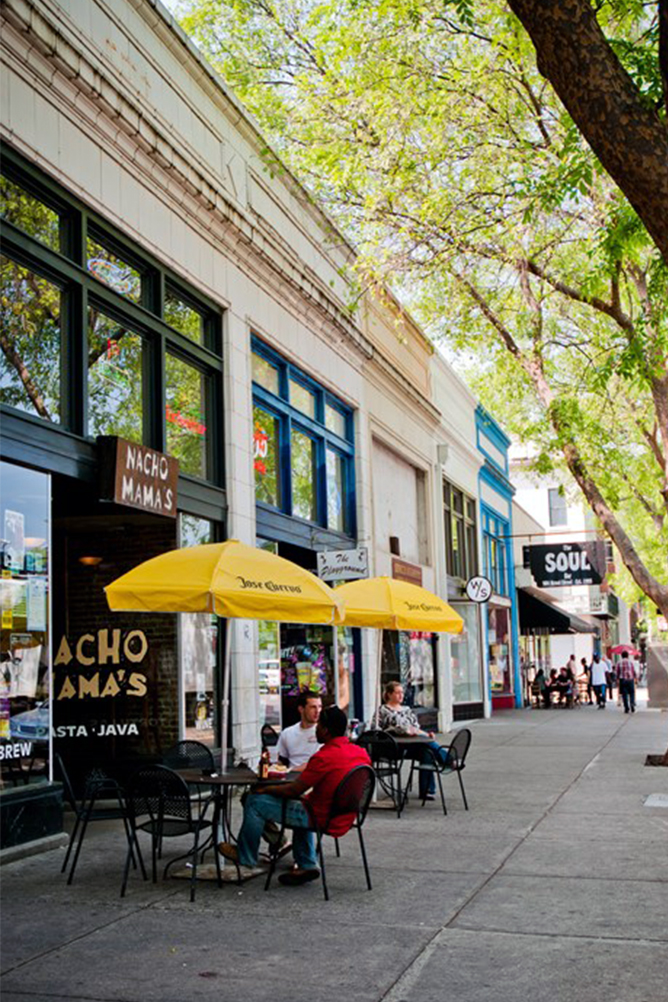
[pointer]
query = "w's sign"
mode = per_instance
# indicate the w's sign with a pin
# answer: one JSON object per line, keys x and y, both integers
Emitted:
{"x": 559, "y": 564}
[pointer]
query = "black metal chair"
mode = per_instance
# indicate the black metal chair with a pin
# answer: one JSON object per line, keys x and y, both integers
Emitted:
{"x": 98, "y": 786}
{"x": 386, "y": 759}
{"x": 457, "y": 751}
{"x": 159, "y": 804}
{"x": 268, "y": 736}
{"x": 352, "y": 798}
{"x": 189, "y": 755}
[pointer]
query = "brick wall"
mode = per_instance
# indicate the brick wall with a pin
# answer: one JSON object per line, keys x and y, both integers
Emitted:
{"x": 138, "y": 671}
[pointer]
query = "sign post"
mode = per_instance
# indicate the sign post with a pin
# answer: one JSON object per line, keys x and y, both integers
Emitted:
{"x": 343, "y": 565}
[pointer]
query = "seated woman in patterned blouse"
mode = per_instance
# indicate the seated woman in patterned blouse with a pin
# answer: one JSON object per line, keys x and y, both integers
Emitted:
{"x": 395, "y": 718}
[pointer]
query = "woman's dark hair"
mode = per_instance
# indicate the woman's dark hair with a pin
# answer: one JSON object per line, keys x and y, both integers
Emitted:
{"x": 389, "y": 689}
{"x": 334, "y": 720}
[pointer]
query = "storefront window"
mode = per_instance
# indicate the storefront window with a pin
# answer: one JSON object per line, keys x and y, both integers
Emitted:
{"x": 345, "y": 660}
{"x": 408, "y": 656}
{"x": 465, "y": 656}
{"x": 114, "y": 379}
{"x": 113, "y": 271}
{"x": 30, "y": 311}
{"x": 336, "y": 506}
{"x": 198, "y": 643}
{"x": 303, "y": 476}
{"x": 25, "y": 685}
{"x": 307, "y": 658}
{"x": 185, "y": 413}
{"x": 498, "y": 643}
{"x": 35, "y": 218}
{"x": 265, "y": 374}
{"x": 269, "y": 646}
{"x": 302, "y": 399}
{"x": 183, "y": 318}
{"x": 265, "y": 457}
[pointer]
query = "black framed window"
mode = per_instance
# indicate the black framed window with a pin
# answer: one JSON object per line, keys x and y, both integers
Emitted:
{"x": 461, "y": 535}
{"x": 302, "y": 444}
{"x": 99, "y": 337}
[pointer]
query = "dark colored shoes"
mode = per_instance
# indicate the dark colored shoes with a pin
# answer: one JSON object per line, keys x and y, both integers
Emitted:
{"x": 293, "y": 878}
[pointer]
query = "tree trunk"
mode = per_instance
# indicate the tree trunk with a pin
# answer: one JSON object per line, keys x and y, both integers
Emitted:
{"x": 625, "y": 133}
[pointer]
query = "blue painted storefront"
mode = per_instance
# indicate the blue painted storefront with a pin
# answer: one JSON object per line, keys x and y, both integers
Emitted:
{"x": 496, "y": 520}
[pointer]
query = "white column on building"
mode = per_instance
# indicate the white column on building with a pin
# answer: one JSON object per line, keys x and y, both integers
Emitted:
{"x": 240, "y": 487}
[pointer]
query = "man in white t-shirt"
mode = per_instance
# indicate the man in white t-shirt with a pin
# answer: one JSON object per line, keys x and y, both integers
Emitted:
{"x": 598, "y": 679}
{"x": 296, "y": 744}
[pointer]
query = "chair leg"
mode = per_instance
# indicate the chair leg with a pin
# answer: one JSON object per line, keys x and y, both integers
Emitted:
{"x": 364, "y": 859}
{"x": 408, "y": 787}
{"x": 440, "y": 787}
{"x": 274, "y": 851}
{"x": 321, "y": 856}
{"x": 73, "y": 837}
{"x": 134, "y": 841}
{"x": 156, "y": 839}
{"x": 338, "y": 848}
{"x": 461, "y": 786}
{"x": 193, "y": 870}
{"x": 75, "y": 858}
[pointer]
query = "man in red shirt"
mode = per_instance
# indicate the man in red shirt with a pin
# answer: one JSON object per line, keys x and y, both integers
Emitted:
{"x": 321, "y": 776}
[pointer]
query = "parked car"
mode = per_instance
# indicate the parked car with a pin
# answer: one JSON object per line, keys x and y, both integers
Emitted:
{"x": 32, "y": 725}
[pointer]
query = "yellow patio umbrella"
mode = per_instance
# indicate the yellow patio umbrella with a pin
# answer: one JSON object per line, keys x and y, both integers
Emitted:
{"x": 232, "y": 580}
{"x": 389, "y": 604}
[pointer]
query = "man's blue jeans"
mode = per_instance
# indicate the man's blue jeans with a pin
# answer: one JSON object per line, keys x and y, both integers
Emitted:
{"x": 261, "y": 807}
{"x": 627, "y": 687}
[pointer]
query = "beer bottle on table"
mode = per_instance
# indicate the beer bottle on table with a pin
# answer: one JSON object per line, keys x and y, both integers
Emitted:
{"x": 264, "y": 764}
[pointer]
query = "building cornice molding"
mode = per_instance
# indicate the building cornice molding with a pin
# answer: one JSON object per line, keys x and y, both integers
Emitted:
{"x": 90, "y": 98}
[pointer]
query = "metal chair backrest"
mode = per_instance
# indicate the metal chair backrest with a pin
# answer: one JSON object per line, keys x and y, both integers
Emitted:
{"x": 159, "y": 793}
{"x": 380, "y": 745}
{"x": 459, "y": 747}
{"x": 353, "y": 794}
{"x": 268, "y": 736}
{"x": 189, "y": 755}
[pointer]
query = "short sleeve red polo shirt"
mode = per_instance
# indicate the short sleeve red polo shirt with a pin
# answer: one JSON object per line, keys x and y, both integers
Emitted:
{"x": 324, "y": 772}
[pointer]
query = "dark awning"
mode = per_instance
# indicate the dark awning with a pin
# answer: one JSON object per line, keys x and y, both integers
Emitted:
{"x": 542, "y": 613}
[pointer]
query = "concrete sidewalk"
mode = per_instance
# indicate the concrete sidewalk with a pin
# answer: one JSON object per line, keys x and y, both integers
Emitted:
{"x": 552, "y": 887}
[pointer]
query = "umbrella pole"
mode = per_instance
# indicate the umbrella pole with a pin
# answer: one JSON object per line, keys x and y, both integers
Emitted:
{"x": 225, "y": 702}
{"x": 379, "y": 670}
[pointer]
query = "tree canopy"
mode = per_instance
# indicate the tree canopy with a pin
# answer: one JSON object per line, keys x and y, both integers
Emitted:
{"x": 428, "y": 129}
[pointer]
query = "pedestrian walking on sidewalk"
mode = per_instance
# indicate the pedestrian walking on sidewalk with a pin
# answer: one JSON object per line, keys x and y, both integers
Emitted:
{"x": 598, "y": 674}
{"x": 627, "y": 683}
{"x": 586, "y": 670}
{"x": 610, "y": 677}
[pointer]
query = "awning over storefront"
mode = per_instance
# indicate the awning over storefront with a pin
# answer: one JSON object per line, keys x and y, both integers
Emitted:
{"x": 540, "y": 613}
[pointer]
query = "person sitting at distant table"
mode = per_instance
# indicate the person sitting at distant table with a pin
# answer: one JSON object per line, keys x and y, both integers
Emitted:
{"x": 395, "y": 718}
{"x": 296, "y": 744}
{"x": 336, "y": 757}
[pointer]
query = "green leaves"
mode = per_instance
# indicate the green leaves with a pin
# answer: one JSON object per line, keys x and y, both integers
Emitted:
{"x": 425, "y": 129}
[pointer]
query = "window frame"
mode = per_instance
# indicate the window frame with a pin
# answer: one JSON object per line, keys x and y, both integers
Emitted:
{"x": 495, "y": 534}
{"x": 467, "y": 534}
{"x": 291, "y": 418}
{"x": 557, "y": 513}
{"x": 67, "y": 268}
